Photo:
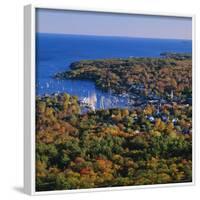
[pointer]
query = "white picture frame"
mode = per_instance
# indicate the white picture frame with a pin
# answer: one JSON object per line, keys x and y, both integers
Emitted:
{"x": 29, "y": 99}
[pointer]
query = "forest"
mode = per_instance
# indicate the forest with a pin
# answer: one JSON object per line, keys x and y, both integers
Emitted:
{"x": 145, "y": 76}
{"x": 112, "y": 147}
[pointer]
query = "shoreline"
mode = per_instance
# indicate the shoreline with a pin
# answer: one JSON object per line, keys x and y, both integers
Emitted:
{"x": 138, "y": 93}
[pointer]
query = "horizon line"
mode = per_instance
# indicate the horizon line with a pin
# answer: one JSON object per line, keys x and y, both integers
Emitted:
{"x": 124, "y": 36}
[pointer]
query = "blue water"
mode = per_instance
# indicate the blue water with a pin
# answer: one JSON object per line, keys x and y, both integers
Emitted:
{"x": 54, "y": 53}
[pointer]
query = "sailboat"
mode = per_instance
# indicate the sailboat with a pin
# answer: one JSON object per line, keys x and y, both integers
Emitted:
{"x": 91, "y": 101}
{"x": 102, "y": 102}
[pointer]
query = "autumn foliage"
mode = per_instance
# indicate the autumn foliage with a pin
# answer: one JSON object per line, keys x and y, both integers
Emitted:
{"x": 114, "y": 147}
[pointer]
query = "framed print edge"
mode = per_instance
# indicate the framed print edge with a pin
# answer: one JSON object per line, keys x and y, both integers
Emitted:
{"x": 29, "y": 101}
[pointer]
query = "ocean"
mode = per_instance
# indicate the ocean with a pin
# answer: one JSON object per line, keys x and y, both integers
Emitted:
{"x": 55, "y": 52}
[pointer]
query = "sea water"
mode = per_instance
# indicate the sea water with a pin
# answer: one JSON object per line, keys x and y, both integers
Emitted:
{"x": 55, "y": 53}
